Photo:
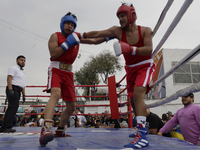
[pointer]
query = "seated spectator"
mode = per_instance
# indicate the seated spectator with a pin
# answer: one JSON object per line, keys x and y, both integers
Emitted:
{"x": 41, "y": 120}
{"x": 56, "y": 119}
{"x": 31, "y": 124}
{"x": 124, "y": 121}
{"x": 42, "y": 113}
{"x": 25, "y": 118}
{"x": 89, "y": 121}
{"x": 1, "y": 119}
{"x": 154, "y": 123}
{"x": 114, "y": 123}
{"x": 33, "y": 118}
{"x": 98, "y": 124}
{"x": 81, "y": 119}
{"x": 169, "y": 113}
{"x": 164, "y": 118}
{"x": 134, "y": 121}
{"x": 73, "y": 121}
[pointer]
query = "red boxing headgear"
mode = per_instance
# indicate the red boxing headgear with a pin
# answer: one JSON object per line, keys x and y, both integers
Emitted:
{"x": 129, "y": 10}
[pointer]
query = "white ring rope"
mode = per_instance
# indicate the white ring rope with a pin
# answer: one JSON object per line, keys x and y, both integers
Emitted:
{"x": 173, "y": 25}
{"x": 162, "y": 16}
{"x": 191, "y": 89}
{"x": 187, "y": 58}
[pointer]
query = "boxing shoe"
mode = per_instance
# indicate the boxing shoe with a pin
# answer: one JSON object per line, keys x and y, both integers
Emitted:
{"x": 61, "y": 133}
{"x": 141, "y": 129}
{"x": 46, "y": 132}
{"x": 8, "y": 130}
{"x": 140, "y": 140}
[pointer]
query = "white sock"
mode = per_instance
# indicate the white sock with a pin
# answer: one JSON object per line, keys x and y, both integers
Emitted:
{"x": 141, "y": 120}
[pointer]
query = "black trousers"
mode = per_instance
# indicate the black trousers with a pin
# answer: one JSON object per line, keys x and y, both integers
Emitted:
{"x": 13, "y": 104}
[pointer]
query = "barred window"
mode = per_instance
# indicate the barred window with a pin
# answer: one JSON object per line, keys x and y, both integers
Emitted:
{"x": 188, "y": 73}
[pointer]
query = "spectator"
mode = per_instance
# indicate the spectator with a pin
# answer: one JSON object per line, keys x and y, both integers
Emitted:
{"x": 98, "y": 124}
{"x": 73, "y": 121}
{"x": 42, "y": 113}
{"x": 56, "y": 119}
{"x": 31, "y": 124}
{"x": 81, "y": 119}
{"x": 25, "y": 118}
{"x": 124, "y": 121}
{"x": 34, "y": 119}
{"x": 154, "y": 123}
{"x": 169, "y": 114}
{"x": 93, "y": 91}
{"x": 134, "y": 121}
{"x": 188, "y": 118}
{"x": 164, "y": 118}
{"x": 41, "y": 120}
{"x": 1, "y": 119}
{"x": 114, "y": 123}
{"x": 89, "y": 121}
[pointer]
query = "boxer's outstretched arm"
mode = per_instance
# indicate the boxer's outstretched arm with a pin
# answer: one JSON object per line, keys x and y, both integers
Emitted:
{"x": 111, "y": 32}
{"x": 92, "y": 41}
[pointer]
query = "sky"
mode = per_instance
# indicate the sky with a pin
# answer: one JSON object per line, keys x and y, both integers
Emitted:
{"x": 26, "y": 25}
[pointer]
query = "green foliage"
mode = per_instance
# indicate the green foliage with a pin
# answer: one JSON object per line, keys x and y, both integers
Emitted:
{"x": 106, "y": 64}
{"x": 102, "y": 65}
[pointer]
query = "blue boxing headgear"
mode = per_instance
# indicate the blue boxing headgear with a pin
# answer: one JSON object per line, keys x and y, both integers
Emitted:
{"x": 67, "y": 18}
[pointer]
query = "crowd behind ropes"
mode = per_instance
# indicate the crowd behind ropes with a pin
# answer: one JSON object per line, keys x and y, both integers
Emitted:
{"x": 89, "y": 121}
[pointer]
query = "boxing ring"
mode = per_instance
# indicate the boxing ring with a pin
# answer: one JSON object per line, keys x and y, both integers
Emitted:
{"x": 86, "y": 139}
{"x": 107, "y": 138}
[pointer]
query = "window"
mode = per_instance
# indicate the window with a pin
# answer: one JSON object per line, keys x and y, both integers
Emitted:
{"x": 188, "y": 73}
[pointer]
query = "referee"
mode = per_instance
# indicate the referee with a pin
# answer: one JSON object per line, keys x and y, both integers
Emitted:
{"x": 15, "y": 85}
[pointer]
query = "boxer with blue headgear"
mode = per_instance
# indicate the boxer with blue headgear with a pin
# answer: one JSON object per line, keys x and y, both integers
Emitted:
{"x": 68, "y": 18}
{"x": 63, "y": 48}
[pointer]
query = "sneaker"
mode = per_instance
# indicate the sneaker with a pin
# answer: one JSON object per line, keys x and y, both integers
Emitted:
{"x": 140, "y": 139}
{"x": 46, "y": 132}
{"x": 2, "y": 130}
{"x": 9, "y": 130}
{"x": 61, "y": 133}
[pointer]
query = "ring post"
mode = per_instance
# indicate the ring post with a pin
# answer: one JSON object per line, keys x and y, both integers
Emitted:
{"x": 113, "y": 98}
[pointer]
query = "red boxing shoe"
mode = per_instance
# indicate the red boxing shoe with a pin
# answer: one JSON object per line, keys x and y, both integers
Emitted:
{"x": 46, "y": 132}
{"x": 61, "y": 133}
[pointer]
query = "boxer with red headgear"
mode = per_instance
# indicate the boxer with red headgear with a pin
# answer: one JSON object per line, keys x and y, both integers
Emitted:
{"x": 129, "y": 10}
{"x": 135, "y": 43}
{"x": 63, "y": 48}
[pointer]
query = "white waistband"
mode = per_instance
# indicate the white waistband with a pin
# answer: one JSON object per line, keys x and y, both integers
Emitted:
{"x": 141, "y": 63}
{"x": 56, "y": 64}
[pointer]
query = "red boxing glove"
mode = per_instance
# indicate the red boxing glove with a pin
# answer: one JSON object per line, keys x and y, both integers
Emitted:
{"x": 124, "y": 48}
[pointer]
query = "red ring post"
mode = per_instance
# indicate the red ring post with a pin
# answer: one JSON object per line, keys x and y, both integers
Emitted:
{"x": 113, "y": 97}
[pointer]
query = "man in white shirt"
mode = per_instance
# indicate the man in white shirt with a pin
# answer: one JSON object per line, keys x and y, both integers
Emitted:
{"x": 81, "y": 119}
{"x": 15, "y": 85}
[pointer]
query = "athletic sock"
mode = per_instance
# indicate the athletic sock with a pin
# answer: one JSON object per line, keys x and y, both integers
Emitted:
{"x": 141, "y": 120}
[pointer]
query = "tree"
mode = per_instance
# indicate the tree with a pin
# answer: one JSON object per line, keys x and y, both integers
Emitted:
{"x": 106, "y": 64}
{"x": 102, "y": 65}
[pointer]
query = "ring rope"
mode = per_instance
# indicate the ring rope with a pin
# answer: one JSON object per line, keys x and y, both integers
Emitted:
{"x": 191, "y": 89}
{"x": 58, "y": 105}
{"x": 187, "y": 58}
{"x": 173, "y": 25}
{"x": 121, "y": 91}
{"x": 162, "y": 16}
